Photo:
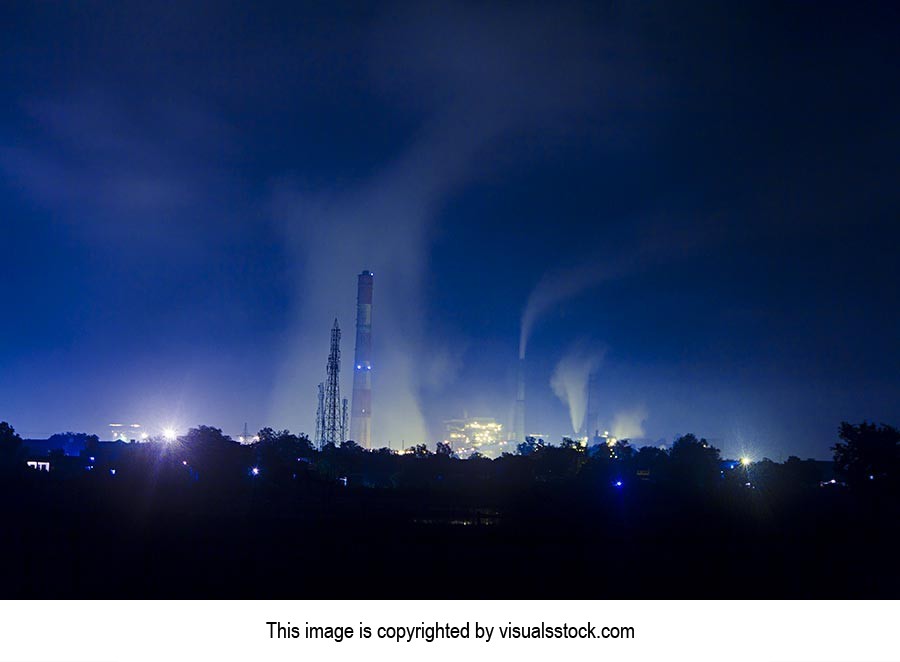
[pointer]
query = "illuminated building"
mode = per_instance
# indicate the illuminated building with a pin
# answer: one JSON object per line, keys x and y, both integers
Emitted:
{"x": 485, "y": 435}
{"x": 132, "y": 432}
{"x": 604, "y": 438}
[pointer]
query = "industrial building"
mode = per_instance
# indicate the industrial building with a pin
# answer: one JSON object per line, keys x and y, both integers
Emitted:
{"x": 484, "y": 435}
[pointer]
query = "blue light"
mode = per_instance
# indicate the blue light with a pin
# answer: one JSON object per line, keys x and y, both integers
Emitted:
{"x": 112, "y": 472}
{"x": 255, "y": 471}
{"x": 368, "y": 367}
{"x": 618, "y": 483}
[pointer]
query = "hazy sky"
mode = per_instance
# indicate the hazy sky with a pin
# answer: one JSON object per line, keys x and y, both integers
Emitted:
{"x": 701, "y": 203}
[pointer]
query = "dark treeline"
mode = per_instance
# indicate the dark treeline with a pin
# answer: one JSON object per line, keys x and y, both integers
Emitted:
{"x": 204, "y": 516}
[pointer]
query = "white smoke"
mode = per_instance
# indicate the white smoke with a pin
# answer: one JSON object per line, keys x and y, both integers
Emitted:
{"x": 571, "y": 376}
{"x": 657, "y": 244}
{"x": 629, "y": 423}
{"x": 554, "y": 288}
{"x": 468, "y": 99}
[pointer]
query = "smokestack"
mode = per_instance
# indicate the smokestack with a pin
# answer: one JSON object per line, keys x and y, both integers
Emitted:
{"x": 361, "y": 411}
{"x": 519, "y": 415}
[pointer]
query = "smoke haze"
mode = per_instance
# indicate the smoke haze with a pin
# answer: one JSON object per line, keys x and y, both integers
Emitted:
{"x": 570, "y": 379}
{"x": 629, "y": 424}
{"x": 495, "y": 89}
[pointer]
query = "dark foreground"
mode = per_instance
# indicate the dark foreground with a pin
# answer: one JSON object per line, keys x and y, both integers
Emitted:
{"x": 108, "y": 539}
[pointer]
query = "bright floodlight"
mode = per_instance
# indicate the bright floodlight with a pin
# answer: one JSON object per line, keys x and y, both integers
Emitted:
{"x": 169, "y": 434}
{"x": 745, "y": 461}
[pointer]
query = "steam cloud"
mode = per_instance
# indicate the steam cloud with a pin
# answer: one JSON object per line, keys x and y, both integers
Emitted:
{"x": 554, "y": 288}
{"x": 570, "y": 379}
{"x": 472, "y": 97}
{"x": 629, "y": 424}
{"x": 656, "y": 245}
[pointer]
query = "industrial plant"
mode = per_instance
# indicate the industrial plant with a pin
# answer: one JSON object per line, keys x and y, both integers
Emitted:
{"x": 482, "y": 436}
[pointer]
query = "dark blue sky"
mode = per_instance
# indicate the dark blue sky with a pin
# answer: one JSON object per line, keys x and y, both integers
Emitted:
{"x": 701, "y": 202}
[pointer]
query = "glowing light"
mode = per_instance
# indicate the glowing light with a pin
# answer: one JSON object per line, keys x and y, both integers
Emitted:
{"x": 618, "y": 483}
{"x": 112, "y": 472}
{"x": 169, "y": 434}
{"x": 255, "y": 471}
{"x": 745, "y": 461}
{"x": 145, "y": 436}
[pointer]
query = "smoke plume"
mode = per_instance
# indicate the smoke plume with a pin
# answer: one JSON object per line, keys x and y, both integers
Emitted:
{"x": 629, "y": 423}
{"x": 468, "y": 99}
{"x": 570, "y": 379}
{"x": 554, "y": 288}
{"x": 655, "y": 244}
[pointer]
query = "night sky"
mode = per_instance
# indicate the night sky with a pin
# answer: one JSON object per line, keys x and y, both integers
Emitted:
{"x": 699, "y": 202}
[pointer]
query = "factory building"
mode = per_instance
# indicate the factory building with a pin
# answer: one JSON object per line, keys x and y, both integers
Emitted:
{"x": 485, "y": 435}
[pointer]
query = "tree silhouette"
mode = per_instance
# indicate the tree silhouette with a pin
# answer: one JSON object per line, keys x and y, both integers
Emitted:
{"x": 278, "y": 452}
{"x": 350, "y": 446}
{"x": 215, "y": 455}
{"x": 868, "y": 453}
{"x": 443, "y": 449}
{"x": 570, "y": 444}
{"x": 419, "y": 450}
{"x": 694, "y": 463}
{"x": 10, "y": 446}
{"x": 529, "y": 446}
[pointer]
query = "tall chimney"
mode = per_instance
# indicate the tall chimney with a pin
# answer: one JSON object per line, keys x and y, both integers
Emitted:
{"x": 361, "y": 406}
